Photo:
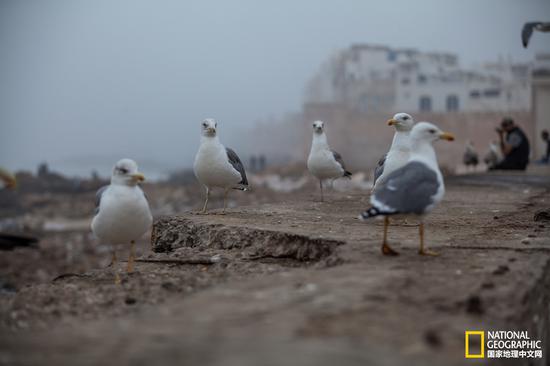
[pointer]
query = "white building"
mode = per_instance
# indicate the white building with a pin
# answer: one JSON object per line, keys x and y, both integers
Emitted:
{"x": 377, "y": 78}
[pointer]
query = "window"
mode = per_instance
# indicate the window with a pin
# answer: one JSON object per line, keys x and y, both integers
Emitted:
{"x": 474, "y": 94}
{"x": 452, "y": 103}
{"x": 422, "y": 79}
{"x": 491, "y": 93}
{"x": 405, "y": 81}
{"x": 392, "y": 56}
{"x": 425, "y": 104}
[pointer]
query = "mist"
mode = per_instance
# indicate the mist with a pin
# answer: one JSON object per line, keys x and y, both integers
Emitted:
{"x": 83, "y": 84}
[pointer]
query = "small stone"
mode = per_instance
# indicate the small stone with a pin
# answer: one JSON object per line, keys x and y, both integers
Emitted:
{"x": 502, "y": 269}
{"x": 495, "y": 217}
{"x": 432, "y": 338}
{"x": 525, "y": 241}
{"x": 130, "y": 301}
{"x": 487, "y": 285}
{"x": 531, "y": 236}
{"x": 474, "y": 305}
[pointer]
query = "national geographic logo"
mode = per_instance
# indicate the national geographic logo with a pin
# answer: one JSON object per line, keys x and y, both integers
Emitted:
{"x": 501, "y": 344}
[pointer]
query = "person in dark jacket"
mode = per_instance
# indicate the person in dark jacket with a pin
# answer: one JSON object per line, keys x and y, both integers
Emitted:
{"x": 514, "y": 145}
{"x": 546, "y": 138}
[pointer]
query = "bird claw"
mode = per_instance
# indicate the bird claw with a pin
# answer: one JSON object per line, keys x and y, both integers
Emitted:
{"x": 428, "y": 252}
{"x": 386, "y": 250}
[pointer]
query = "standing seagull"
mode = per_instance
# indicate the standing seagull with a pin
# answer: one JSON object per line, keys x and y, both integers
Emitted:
{"x": 400, "y": 149}
{"x": 415, "y": 188}
{"x": 323, "y": 162}
{"x": 470, "y": 157}
{"x": 217, "y": 166}
{"x": 122, "y": 211}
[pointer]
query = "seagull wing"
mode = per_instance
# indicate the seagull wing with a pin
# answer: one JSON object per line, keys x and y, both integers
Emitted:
{"x": 409, "y": 189}
{"x": 527, "y": 31}
{"x": 237, "y": 164}
{"x": 340, "y": 161}
{"x": 379, "y": 170}
{"x": 98, "y": 195}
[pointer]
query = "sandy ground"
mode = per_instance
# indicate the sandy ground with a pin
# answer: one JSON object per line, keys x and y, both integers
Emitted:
{"x": 298, "y": 282}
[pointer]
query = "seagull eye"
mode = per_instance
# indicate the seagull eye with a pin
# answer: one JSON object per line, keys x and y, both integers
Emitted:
{"x": 204, "y": 125}
{"x": 123, "y": 170}
{"x": 405, "y": 118}
{"x": 432, "y": 130}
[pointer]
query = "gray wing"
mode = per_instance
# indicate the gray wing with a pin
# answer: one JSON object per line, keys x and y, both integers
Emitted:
{"x": 98, "y": 195}
{"x": 340, "y": 161}
{"x": 379, "y": 168}
{"x": 527, "y": 31}
{"x": 409, "y": 189}
{"x": 237, "y": 164}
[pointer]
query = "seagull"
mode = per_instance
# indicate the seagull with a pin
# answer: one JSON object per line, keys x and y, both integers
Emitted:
{"x": 8, "y": 179}
{"x": 470, "y": 155}
{"x": 415, "y": 188}
{"x": 399, "y": 151}
{"x": 217, "y": 166}
{"x": 528, "y": 28}
{"x": 122, "y": 211}
{"x": 493, "y": 155}
{"x": 323, "y": 162}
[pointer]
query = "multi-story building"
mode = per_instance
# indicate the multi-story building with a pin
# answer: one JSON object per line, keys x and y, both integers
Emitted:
{"x": 373, "y": 78}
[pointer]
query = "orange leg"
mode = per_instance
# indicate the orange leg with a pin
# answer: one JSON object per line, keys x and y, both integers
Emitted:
{"x": 386, "y": 250}
{"x": 423, "y": 251}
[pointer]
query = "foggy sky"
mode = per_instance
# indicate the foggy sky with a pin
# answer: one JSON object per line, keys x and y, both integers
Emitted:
{"x": 84, "y": 83}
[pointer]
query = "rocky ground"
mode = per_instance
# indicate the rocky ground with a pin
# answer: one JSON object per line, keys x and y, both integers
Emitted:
{"x": 294, "y": 282}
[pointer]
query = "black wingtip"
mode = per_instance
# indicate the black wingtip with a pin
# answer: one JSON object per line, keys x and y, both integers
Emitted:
{"x": 347, "y": 174}
{"x": 371, "y": 212}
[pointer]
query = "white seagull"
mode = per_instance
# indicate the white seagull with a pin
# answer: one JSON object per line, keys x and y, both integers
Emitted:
{"x": 122, "y": 211}
{"x": 470, "y": 157}
{"x": 323, "y": 162}
{"x": 217, "y": 166}
{"x": 416, "y": 188}
{"x": 400, "y": 149}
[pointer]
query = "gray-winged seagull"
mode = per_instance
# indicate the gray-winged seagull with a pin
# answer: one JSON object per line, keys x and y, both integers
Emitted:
{"x": 122, "y": 211}
{"x": 217, "y": 166}
{"x": 399, "y": 152}
{"x": 416, "y": 188}
{"x": 323, "y": 162}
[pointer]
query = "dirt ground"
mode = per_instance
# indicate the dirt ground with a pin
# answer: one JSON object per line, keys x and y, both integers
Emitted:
{"x": 296, "y": 282}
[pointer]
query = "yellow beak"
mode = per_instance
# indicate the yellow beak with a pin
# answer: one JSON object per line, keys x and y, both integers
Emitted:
{"x": 138, "y": 177}
{"x": 211, "y": 130}
{"x": 392, "y": 122}
{"x": 447, "y": 136}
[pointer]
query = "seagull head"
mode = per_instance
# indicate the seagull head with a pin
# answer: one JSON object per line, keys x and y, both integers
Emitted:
{"x": 401, "y": 122}
{"x": 209, "y": 126}
{"x": 318, "y": 127}
{"x": 428, "y": 132}
{"x": 126, "y": 173}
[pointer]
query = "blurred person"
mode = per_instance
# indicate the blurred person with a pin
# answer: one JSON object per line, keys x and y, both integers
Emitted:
{"x": 514, "y": 146}
{"x": 545, "y": 159}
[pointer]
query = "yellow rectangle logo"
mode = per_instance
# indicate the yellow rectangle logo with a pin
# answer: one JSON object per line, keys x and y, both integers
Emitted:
{"x": 467, "y": 335}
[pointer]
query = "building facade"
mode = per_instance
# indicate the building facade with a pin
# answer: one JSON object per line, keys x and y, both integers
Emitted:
{"x": 376, "y": 79}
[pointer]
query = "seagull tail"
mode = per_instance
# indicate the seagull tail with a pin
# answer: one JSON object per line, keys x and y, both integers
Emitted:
{"x": 371, "y": 212}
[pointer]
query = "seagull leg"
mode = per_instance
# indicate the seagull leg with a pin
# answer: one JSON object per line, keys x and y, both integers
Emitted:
{"x": 114, "y": 261}
{"x": 386, "y": 250}
{"x": 423, "y": 251}
{"x": 225, "y": 200}
{"x": 321, "y": 185}
{"x": 206, "y": 202}
{"x": 113, "y": 258}
{"x": 130, "y": 267}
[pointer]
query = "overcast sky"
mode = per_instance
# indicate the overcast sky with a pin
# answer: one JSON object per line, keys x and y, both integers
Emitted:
{"x": 83, "y": 83}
